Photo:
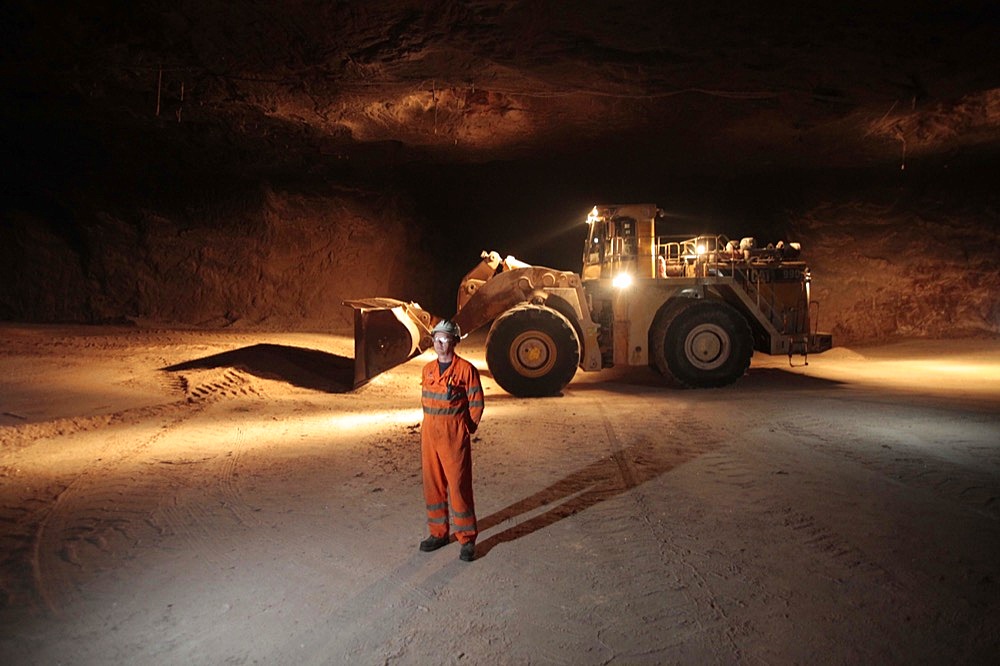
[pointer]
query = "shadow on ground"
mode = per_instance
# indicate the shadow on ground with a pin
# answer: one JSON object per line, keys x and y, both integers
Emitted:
{"x": 779, "y": 379}
{"x": 305, "y": 368}
{"x": 633, "y": 380}
{"x": 590, "y": 485}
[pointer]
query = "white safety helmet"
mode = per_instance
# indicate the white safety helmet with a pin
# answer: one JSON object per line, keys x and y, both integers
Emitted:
{"x": 449, "y": 327}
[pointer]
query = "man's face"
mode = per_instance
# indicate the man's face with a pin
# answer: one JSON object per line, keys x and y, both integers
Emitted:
{"x": 444, "y": 346}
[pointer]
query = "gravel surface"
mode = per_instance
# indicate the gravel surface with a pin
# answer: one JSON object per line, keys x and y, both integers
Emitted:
{"x": 193, "y": 497}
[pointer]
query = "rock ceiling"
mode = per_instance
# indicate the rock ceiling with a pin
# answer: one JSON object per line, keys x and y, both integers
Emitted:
{"x": 690, "y": 85}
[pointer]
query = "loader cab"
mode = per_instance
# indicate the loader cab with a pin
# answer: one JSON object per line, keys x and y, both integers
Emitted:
{"x": 620, "y": 243}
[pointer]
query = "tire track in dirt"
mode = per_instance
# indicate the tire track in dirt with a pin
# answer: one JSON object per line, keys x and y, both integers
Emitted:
{"x": 639, "y": 459}
{"x": 815, "y": 535}
{"x": 972, "y": 487}
{"x": 103, "y": 512}
{"x": 207, "y": 386}
{"x": 208, "y": 487}
{"x": 218, "y": 384}
{"x": 804, "y": 532}
{"x": 787, "y": 519}
{"x": 381, "y": 604}
{"x": 95, "y": 511}
{"x": 19, "y": 436}
{"x": 208, "y": 484}
{"x": 20, "y": 511}
{"x": 228, "y": 484}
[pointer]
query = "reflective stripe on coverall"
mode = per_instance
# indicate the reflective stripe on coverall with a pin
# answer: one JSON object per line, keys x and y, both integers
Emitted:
{"x": 453, "y": 406}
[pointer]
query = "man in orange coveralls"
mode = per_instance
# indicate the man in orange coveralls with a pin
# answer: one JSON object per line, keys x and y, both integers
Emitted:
{"x": 452, "y": 398}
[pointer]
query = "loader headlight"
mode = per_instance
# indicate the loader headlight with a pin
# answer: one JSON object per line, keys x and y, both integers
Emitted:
{"x": 621, "y": 280}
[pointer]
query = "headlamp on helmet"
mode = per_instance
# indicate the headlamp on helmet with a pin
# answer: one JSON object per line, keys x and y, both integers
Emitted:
{"x": 447, "y": 326}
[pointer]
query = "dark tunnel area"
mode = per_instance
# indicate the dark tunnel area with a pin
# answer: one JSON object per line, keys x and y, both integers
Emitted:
{"x": 159, "y": 172}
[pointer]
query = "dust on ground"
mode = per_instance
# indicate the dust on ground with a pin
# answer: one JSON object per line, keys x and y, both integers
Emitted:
{"x": 225, "y": 497}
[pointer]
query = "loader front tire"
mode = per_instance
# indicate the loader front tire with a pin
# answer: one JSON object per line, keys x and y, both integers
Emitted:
{"x": 532, "y": 351}
{"x": 703, "y": 344}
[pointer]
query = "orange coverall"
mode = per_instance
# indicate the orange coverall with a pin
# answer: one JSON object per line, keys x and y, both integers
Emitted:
{"x": 453, "y": 406}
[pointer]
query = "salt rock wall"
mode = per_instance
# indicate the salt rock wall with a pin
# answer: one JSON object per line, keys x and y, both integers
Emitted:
{"x": 885, "y": 271}
{"x": 271, "y": 260}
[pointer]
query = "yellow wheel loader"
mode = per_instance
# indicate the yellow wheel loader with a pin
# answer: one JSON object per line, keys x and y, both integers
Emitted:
{"x": 694, "y": 309}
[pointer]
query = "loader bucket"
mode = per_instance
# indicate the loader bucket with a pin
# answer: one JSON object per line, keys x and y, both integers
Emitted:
{"x": 387, "y": 332}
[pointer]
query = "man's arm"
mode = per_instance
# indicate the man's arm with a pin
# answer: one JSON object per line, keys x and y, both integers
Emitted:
{"x": 476, "y": 400}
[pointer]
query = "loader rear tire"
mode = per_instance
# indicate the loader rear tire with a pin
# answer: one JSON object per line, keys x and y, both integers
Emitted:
{"x": 703, "y": 344}
{"x": 532, "y": 351}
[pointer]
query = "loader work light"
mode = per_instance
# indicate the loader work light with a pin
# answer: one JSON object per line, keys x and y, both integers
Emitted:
{"x": 622, "y": 280}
